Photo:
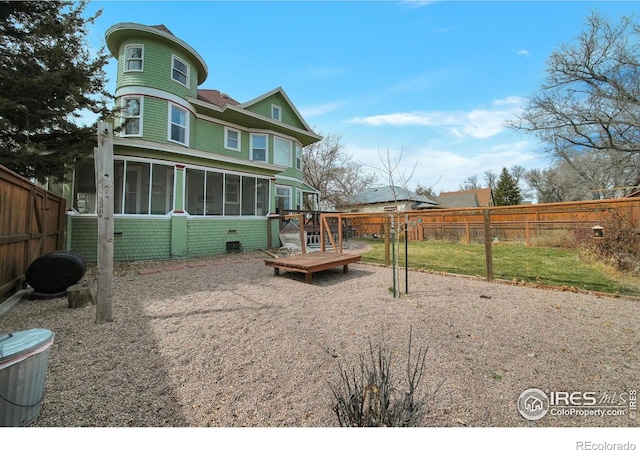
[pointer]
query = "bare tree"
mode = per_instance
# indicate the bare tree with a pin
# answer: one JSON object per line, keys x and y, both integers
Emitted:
{"x": 490, "y": 178}
{"x": 590, "y": 99}
{"x": 332, "y": 172}
{"x": 586, "y": 175}
{"x": 471, "y": 183}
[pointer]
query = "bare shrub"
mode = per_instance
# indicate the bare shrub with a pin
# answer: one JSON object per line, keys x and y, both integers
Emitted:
{"x": 557, "y": 238}
{"x": 618, "y": 248}
{"x": 368, "y": 396}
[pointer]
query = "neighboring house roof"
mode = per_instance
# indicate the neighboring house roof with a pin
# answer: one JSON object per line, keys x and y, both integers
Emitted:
{"x": 465, "y": 198}
{"x": 389, "y": 194}
{"x": 459, "y": 200}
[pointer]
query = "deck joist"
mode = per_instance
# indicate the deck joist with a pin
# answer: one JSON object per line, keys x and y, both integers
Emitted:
{"x": 312, "y": 262}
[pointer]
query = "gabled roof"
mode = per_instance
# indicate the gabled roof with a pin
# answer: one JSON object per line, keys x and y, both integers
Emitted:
{"x": 275, "y": 92}
{"x": 463, "y": 199}
{"x": 222, "y": 106}
{"x": 389, "y": 194}
{"x": 483, "y": 198}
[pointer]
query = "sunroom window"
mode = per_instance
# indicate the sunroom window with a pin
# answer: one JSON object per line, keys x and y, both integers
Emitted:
{"x": 133, "y": 58}
{"x": 139, "y": 187}
{"x": 212, "y": 193}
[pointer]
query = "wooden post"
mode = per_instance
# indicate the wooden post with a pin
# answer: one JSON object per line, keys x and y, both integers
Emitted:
{"x": 303, "y": 240}
{"x": 488, "y": 256}
{"x": 467, "y": 233}
{"x": 387, "y": 249}
{"x": 103, "y": 156}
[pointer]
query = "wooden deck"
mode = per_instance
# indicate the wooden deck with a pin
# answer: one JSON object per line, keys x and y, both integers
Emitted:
{"x": 312, "y": 262}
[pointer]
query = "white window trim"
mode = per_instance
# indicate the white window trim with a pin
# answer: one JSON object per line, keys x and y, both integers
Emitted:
{"x": 299, "y": 157}
{"x": 126, "y": 60}
{"x": 173, "y": 59}
{"x": 124, "y": 116}
{"x": 170, "y": 123}
{"x": 289, "y": 144}
{"x": 289, "y": 189}
{"x": 226, "y": 139}
{"x": 299, "y": 200}
{"x": 266, "y": 150}
{"x": 276, "y": 108}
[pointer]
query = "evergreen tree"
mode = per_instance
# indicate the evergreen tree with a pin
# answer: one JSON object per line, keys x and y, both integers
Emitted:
{"x": 507, "y": 191}
{"x": 47, "y": 80}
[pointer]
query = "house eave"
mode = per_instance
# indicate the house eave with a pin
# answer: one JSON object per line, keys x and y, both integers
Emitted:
{"x": 189, "y": 152}
{"x": 237, "y": 114}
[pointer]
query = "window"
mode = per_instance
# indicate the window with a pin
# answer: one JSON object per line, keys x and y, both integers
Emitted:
{"x": 259, "y": 147}
{"x": 282, "y": 152}
{"x": 248, "y": 196}
{"x": 298, "y": 157}
{"x": 142, "y": 187}
{"x": 231, "y": 139}
{"x": 262, "y": 196}
{"x": 298, "y": 199}
{"x": 85, "y": 188}
{"x": 180, "y": 71}
{"x": 133, "y": 58}
{"x": 283, "y": 198}
{"x": 212, "y": 193}
{"x": 276, "y": 112}
{"x": 194, "y": 189}
{"x": 232, "y": 195}
{"x": 132, "y": 108}
{"x": 178, "y": 125}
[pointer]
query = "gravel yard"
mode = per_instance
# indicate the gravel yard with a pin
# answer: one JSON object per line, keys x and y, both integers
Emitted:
{"x": 222, "y": 342}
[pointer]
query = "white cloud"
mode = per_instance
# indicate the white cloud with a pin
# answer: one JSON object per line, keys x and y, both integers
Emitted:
{"x": 446, "y": 169}
{"x": 478, "y": 123}
{"x": 320, "y": 109}
{"x": 524, "y": 53}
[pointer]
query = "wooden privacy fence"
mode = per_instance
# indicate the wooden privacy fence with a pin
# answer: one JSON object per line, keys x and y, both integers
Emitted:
{"x": 545, "y": 225}
{"x": 524, "y": 223}
{"x": 32, "y": 223}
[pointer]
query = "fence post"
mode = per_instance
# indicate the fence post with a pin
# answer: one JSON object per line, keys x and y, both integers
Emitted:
{"x": 488, "y": 256}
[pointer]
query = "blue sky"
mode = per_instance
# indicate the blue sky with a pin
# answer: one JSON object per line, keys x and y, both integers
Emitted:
{"x": 428, "y": 83}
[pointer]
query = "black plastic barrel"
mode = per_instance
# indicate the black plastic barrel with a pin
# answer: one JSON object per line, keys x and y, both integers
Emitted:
{"x": 55, "y": 272}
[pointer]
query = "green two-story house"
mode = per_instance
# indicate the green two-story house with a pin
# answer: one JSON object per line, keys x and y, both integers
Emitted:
{"x": 195, "y": 171}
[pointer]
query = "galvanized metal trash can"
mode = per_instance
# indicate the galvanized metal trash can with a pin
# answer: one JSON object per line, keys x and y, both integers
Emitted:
{"x": 24, "y": 357}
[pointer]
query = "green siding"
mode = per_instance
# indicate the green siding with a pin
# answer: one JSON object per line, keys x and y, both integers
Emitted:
{"x": 155, "y": 120}
{"x": 289, "y": 117}
{"x": 157, "y": 68}
{"x": 130, "y": 242}
{"x": 207, "y": 237}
